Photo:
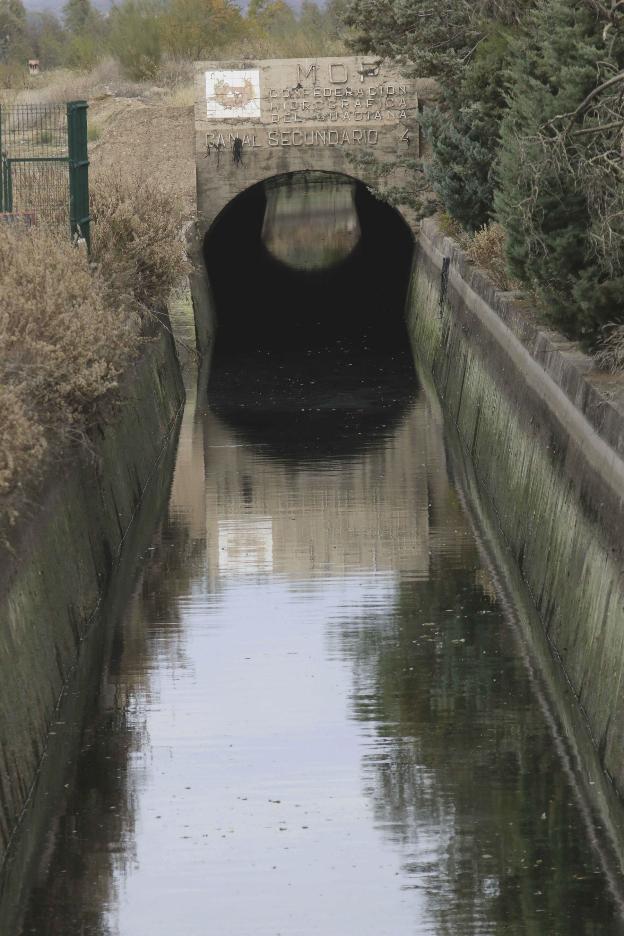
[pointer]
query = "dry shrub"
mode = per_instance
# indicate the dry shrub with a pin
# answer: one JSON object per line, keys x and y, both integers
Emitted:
{"x": 610, "y": 354}
{"x": 182, "y": 95}
{"x": 451, "y": 228}
{"x": 58, "y": 336}
{"x": 70, "y": 325}
{"x": 63, "y": 347}
{"x": 136, "y": 241}
{"x": 486, "y": 249}
{"x": 174, "y": 73}
{"x": 22, "y": 448}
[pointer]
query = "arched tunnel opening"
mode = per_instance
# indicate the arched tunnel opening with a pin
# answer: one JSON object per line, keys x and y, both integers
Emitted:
{"x": 309, "y": 261}
{"x": 309, "y": 274}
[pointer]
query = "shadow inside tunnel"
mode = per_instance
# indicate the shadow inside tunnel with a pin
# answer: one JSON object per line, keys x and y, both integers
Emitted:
{"x": 299, "y": 407}
{"x": 264, "y": 303}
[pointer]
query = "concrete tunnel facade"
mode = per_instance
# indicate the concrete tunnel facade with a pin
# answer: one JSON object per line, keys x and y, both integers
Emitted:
{"x": 275, "y": 134}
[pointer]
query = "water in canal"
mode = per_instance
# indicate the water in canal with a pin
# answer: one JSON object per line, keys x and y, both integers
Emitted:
{"x": 315, "y": 717}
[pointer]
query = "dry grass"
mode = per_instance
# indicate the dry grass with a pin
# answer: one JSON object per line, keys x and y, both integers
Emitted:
{"x": 452, "y": 228}
{"x": 23, "y": 448}
{"x": 65, "y": 84}
{"x": 106, "y": 79}
{"x": 182, "y": 95}
{"x": 610, "y": 354}
{"x": 70, "y": 326}
{"x": 486, "y": 249}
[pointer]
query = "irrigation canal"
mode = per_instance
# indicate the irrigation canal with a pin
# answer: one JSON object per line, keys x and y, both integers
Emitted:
{"x": 313, "y": 712}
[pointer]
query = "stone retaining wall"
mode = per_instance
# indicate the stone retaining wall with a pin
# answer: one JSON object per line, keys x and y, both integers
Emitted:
{"x": 51, "y": 589}
{"x": 545, "y": 436}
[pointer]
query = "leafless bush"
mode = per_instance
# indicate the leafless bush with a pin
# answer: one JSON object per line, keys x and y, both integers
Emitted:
{"x": 63, "y": 347}
{"x": 22, "y": 450}
{"x": 137, "y": 245}
{"x": 175, "y": 72}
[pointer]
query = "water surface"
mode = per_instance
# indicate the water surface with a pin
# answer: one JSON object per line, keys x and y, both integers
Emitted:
{"x": 317, "y": 720}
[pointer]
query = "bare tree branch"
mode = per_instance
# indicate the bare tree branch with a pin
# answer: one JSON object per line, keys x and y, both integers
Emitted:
{"x": 600, "y": 128}
{"x": 583, "y": 106}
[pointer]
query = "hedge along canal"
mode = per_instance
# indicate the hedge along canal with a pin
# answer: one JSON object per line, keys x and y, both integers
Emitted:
{"x": 52, "y": 588}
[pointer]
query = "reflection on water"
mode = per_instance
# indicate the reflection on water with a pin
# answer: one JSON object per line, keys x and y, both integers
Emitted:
{"x": 316, "y": 719}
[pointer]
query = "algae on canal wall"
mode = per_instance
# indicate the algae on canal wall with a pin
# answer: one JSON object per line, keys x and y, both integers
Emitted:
{"x": 52, "y": 587}
{"x": 547, "y": 447}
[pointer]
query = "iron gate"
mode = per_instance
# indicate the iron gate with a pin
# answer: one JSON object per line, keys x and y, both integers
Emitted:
{"x": 44, "y": 165}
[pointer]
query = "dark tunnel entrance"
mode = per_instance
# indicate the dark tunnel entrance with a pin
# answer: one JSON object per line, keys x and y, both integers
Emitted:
{"x": 309, "y": 274}
{"x": 291, "y": 270}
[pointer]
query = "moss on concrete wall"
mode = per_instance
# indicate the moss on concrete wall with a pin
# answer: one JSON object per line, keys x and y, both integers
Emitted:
{"x": 55, "y": 582}
{"x": 546, "y": 450}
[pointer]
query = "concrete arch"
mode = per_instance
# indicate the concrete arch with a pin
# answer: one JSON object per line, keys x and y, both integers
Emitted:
{"x": 214, "y": 194}
{"x": 274, "y": 119}
{"x": 204, "y": 230}
{"x": 293, "y": 115}
{"x": 257, "y": 296}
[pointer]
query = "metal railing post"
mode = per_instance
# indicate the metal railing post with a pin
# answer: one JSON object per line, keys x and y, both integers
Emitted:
{"x": 1, "y": 165}
{"x": 79, "y": 217}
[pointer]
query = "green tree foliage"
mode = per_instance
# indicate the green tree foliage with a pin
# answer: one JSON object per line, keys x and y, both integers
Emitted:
{"x": 528, "y": 130}
{"x": 464, "y": 44}
{"x": 79, "y": 16}
{"x": 464, "y": 134}
{"x": 84, "y": 26}
{"x": 13, "y": 26}
{"x": 140, "y": 34}
{"x": 272, "y": 20}
{"x": 136, "y": 37}
{"x": 434, "y": 38}
{"x": 195, "y": 29}
{"x": 47, "y": 39}
{"x": 556, "y": 160}
{"x": 275, "y": 28}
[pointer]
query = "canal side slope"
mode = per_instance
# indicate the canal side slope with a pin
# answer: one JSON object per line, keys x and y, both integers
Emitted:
{"x": 51, "y": 587}
{"x": 545, "y": 434}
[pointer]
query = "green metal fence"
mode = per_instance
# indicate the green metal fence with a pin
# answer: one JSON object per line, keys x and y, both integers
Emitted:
{"x": 44, "y": 165}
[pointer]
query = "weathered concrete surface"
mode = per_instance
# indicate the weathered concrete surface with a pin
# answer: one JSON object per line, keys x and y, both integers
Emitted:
{"x": 291, "y": 115}
{"x": 547, "y": 445}
{"x": 204, "y": 306}
{"x": 51, "y": 590}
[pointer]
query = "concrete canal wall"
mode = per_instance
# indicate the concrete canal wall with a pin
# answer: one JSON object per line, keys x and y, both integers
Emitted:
{"x": 546, "y": 438}
{"x": 52, "y": 587}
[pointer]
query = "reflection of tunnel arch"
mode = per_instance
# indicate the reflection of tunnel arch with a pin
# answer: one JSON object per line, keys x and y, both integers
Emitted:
{"x": 263, "y": 302}
{"x": 301, "y": 407}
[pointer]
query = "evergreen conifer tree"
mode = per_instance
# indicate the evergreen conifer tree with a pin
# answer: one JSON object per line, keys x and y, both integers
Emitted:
{"x": 544, "y": 197}
{"x": 464, "y": 134}
{"x": 465, "y": 45}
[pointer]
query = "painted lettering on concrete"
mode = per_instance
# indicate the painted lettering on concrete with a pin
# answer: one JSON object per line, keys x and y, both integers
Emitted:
{"x": 324, "y": 102}
{"x": 339, "y": 102}
{"x": 322, "y": 137}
